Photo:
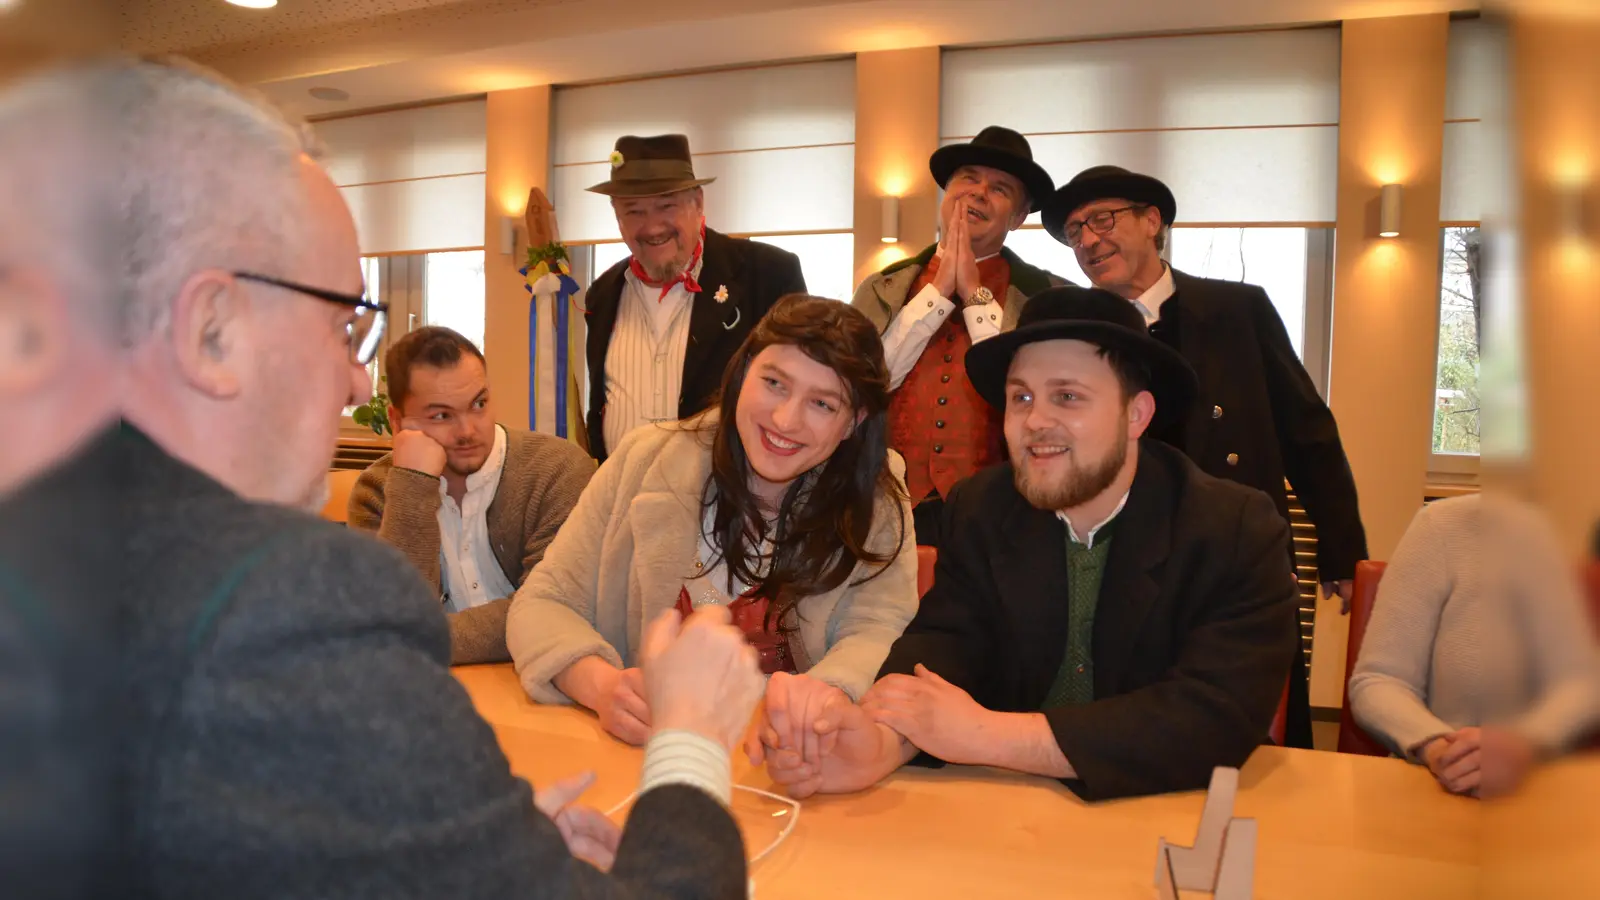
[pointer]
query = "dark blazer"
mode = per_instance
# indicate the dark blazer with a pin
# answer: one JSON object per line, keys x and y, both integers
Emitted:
{"x": 293, "y": 730}
{"x": 1258, "y": 407}
{"x": 60, "y": 750}
{"x": 1193, "y": 633}
{"x": 755, "y": 274}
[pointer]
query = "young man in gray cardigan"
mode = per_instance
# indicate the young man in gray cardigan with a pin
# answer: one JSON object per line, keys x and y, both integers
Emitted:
{"x": 472, "y": 504}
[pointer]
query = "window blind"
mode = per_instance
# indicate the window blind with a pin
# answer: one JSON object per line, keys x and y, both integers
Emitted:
{"x": 1243, "y": 127}
{"x": 414, "y": 178}
{"x": 780, "y": 140}
{"x": 1472, "y": 63}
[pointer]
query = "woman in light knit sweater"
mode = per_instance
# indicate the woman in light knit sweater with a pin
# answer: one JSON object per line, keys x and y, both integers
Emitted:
{"x": 1479, "y": 658}
{"x": 782, "y": 503}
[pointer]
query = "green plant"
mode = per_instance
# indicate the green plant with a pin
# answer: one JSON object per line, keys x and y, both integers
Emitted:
{"x": 549, "y": 253}
{"x": 375, "y": 414}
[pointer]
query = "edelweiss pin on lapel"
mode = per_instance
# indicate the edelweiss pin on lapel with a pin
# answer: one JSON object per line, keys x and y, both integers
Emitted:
{"x": 722, "y": 293}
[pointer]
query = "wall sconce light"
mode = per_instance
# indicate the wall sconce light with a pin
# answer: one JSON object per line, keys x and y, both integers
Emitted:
{"x": 508, "y": 235}
{"x": 1389, "y": 211}
{"x": 891, "y": 220}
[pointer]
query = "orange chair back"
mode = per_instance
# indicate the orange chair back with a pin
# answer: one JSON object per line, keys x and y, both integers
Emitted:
{"x": 1279, "y": 729}
{"x": 340, "y": 483}
{"x": 1592, "y": 580}
{"x": 926, "y": 557}
{"x": 1352, "y": 738}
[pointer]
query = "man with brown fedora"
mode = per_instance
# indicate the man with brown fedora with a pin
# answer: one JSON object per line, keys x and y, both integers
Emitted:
{"x": 664, "y": 322}
{"x": 1102, "y": 611}
{"x": 933, "y": 307}
{"x": 1259, "y": 417}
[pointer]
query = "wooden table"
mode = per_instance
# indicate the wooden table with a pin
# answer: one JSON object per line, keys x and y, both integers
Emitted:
{"x": 1331, "y": 825}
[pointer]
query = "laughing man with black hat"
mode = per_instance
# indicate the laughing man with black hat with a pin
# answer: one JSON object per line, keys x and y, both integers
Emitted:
{"x": 1102, "y": 612}
{"x": 1258, "y": 417}
{"x": 933, "y": 307}
{"x": 664, "y": 322}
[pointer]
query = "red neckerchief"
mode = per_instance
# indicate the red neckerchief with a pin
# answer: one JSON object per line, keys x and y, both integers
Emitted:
{"x": 686, "y": 276}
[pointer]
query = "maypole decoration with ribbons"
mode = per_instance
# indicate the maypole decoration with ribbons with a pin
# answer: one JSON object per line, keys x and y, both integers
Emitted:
{"x": 552, "y": 386}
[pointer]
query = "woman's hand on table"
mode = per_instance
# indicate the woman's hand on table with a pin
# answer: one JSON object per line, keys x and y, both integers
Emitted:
{"x": 622, "y": 708}
{"x": 794, "y": 703}
{"x": 1456, "y": 760}
{"x": 853, "y": 752}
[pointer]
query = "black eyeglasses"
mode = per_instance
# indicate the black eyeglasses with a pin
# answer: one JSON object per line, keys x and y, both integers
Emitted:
{"x": 1100, "y": 223}
{"x": 365, "y": 331}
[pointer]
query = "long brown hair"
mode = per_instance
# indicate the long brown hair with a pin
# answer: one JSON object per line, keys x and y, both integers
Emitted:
{"x": 827, "y": 513}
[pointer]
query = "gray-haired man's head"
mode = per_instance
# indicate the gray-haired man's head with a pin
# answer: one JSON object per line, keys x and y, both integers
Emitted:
{"x": 242, "y": 378}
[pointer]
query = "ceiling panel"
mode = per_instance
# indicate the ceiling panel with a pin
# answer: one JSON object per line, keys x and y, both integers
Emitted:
{"x": 173, "y": 25}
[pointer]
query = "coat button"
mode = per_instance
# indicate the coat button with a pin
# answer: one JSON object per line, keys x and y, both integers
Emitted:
{"x": 1216, "y": 412}
{"x": 930, "y": 304}
{"x": 1080, "y": 670}
{"x": 944, "y": 379}
{"x": 941, "y": 313}
{"x": 948, "y": 358}
{"x": 939, "y": 424}
{"x": 938, "y": 448}
{"x": 943, "y": 400}
{"x": 1233, "y": 459}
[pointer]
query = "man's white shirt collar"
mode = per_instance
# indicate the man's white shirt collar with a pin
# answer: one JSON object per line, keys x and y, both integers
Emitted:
{"x": 1088, "y": 543}
{"x": 1149, "y": 303}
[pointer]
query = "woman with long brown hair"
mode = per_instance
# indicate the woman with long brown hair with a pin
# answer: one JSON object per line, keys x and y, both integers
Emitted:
{"x": 782, "y": 503}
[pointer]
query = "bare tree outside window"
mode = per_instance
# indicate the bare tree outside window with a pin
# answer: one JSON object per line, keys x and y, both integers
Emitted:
{"x": 1455, "y": 414}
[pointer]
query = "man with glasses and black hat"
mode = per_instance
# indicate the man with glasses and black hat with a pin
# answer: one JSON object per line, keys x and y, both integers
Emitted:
{"x": 1259, "y": 417}
{"x": 933, "y": 307}
{"x": 1103, "y": 612}
{"x": 664, "y": 322}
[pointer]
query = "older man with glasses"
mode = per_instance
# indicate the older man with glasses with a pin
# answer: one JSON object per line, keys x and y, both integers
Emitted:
{"x": 1259, "y": 418}
{"x": 285, "y": 692}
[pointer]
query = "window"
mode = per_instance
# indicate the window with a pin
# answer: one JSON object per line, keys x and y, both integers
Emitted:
{"x": 425, "y": 289}
{"x": 1283, "y": 261}
{"x": 1455, "y": 414}
{"x": 1274, "y": 258}
{"x": 1036, "y": 247}
{"x": 826, "y": 260}
{"x": 453, "y": 292}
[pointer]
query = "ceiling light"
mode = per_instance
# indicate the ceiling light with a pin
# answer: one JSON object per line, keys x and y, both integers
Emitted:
{"x": 329, "y": 93}
{"x": 255, "y": 4}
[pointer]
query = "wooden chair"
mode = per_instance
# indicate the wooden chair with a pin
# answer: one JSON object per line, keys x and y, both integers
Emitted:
{"x": 340, "y": 483}
{"x": 1352, "y": 737}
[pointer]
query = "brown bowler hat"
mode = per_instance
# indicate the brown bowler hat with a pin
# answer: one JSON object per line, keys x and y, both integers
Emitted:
{"x": 649, "y": 167}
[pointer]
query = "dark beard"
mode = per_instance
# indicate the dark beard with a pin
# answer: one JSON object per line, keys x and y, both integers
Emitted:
{"x": 1085, "y": 485}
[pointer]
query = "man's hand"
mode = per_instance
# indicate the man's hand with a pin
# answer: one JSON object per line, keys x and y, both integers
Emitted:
{"x": 955, "y": 237}
{"x": 1456, "y": 760}
{"x": 590, "y": 836}
{"x": 700, "y": 675}
{"x": 1507, "y": 757}
{"x": 414, "y": 450}
{"x": 931, "y": 713}
{"x": 854, "y": 752}
{"x": 966, "y": 263}
{"x": 622, "y": 708}
{"x": 1345, "y": 589}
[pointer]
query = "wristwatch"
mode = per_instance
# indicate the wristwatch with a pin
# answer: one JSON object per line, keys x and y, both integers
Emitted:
{"x": 980, "y": 296}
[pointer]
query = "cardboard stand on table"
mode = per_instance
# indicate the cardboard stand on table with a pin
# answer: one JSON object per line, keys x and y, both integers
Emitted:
{"x": 1222, "y": 859}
